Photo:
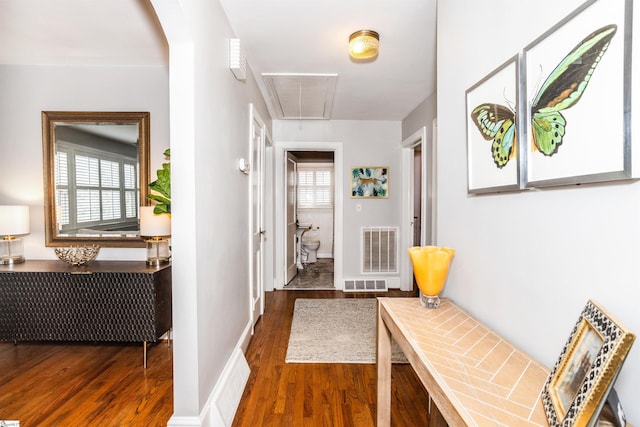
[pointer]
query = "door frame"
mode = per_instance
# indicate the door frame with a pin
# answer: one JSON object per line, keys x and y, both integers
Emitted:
{"x": 279, "y": 152}
{"x": 427, "y": 199}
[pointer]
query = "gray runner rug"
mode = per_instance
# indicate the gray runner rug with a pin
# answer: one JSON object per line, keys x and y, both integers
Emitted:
{"x": 336, "y": 331}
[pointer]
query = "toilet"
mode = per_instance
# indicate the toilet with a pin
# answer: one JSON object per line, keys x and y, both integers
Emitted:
{"x": 310, "y": 248}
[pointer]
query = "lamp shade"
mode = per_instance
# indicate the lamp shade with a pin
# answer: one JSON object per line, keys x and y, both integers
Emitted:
{"x": 364, "y": 44}
{"x": 153, "y": 225}
{"x": 14, "y": 220}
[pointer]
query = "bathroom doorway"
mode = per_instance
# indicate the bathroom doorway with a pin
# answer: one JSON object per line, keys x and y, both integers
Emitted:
{"x": 281, "y": 150}
{"x": 310, "y": 195}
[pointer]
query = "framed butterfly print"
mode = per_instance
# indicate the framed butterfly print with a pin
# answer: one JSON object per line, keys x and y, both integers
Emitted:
{"x": 492, "y": 135}
{"x": 576, "y": 101}
{"x": 583, "y": 377}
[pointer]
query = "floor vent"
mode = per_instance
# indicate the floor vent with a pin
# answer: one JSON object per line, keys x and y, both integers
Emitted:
{"x": 379, "y": 250}
{"x": 365, "y": 285}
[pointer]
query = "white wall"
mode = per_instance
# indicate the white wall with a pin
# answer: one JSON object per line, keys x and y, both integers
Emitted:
{"x": 29, "y": 90}
{"x": 210, "y": 209}
{"x": 365, "y": 143}
{"x": 527, "y": 262}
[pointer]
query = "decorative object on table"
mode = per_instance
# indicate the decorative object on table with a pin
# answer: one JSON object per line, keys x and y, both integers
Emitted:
{"x": 370, "y": 182}
{"x": 77, "y": 255}
{"x": 493, "y": 163}
{"x": 14, "y": 221}
{"x": 583, "y": 377}
{"x": 576, "y": 82}
{"x": 161, "y": 188}
{"x": 156, "y": 227}
{"x": 430, "y": 268}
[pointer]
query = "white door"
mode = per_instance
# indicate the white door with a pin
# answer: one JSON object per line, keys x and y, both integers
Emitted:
{"x": 257, "y": 147}
{"x": 290, "y": 233}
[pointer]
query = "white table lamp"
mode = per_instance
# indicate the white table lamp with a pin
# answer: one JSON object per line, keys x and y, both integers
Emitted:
{"x": 14, "y": 221}
{"x": 156, "y": 228}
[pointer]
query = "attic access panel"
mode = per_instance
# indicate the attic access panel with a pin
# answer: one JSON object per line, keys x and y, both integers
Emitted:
{"x": 301, "y": 96}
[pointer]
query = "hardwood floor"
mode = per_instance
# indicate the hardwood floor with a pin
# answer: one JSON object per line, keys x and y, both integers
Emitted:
{"x": 293, "y": 394}
{"x": 85, "y": 385}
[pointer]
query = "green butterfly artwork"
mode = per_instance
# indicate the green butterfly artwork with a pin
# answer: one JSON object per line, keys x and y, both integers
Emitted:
{"x": 561, "y": 90}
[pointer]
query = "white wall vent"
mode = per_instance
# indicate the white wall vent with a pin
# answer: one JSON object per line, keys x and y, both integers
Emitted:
{"x": 237, "y": 59}
{"x": 228, "y": 391}
{"x": 365, "y": 285}
{"x": 380, "y": 250}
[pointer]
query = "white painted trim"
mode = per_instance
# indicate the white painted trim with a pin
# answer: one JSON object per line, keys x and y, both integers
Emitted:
{"x": 434, "y": 183}
{"x": 269, "y": 218}
{"x": 406, "y": 239}
{"x": 245, "y": 338}
{"x": 279, "y": 205}
{"x": 255, "y": 119}
{"x": 184, "y": 422}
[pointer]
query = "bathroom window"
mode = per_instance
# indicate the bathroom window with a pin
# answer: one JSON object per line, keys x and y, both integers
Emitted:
{"x": 315, "y": 186}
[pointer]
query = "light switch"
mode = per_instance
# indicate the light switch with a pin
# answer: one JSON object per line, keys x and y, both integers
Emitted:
{"x": 358, "y": 207}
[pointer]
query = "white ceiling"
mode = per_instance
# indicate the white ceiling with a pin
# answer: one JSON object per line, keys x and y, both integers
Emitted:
{"x": 279, "y": 36}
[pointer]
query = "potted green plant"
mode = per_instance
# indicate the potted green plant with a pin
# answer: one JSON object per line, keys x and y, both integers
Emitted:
{"x": 161, "y": 187}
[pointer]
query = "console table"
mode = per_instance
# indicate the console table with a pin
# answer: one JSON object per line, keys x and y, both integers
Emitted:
{"x": 118, "y": 301}
{"x": 474, "y": 377}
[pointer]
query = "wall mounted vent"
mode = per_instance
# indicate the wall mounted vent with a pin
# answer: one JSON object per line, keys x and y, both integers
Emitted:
{"x": 365, "y": 285}
{"x": 231, "y": 385}
{"x": 237, "y": 59}
{"x": 380, "y": 250}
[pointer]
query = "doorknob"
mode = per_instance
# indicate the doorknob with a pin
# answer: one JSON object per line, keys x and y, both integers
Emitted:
{"x": 263, "y": 232}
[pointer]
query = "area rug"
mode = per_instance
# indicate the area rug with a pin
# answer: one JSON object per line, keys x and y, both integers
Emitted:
{"x": 336, "y": 331}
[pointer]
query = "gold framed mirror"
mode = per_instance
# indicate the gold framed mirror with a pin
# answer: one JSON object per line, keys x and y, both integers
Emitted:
{"x": 96, "y": 176}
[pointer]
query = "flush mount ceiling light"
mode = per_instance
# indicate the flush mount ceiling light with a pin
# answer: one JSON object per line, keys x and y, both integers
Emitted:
{"x": 364, "y": 44}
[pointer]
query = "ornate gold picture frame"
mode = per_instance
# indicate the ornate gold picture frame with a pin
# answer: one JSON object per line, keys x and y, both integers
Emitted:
{"x": 579, "y": 383}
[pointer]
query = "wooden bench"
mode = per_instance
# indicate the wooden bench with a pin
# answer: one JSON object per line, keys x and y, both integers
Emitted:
{"x": 474, "y": 377}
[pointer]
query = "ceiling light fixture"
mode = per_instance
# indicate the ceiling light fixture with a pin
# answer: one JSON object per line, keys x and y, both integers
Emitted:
{"x": 364, "y": 44}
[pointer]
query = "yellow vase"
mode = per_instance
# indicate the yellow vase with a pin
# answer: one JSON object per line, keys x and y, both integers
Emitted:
{"x": 430, "y": 268}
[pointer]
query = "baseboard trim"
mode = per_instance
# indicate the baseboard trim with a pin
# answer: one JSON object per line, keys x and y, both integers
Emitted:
{"x": 184, "y": 422}
{"x": 245, "y": 338}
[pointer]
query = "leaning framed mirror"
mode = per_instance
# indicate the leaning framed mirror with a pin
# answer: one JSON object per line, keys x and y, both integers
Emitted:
{"x": 96, "y": 175}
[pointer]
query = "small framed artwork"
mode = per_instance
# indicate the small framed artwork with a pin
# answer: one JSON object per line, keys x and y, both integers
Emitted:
{"x": 581, "y": 380}
{"x": 370, "y": 182}
{"x": 492, "y": 132}
{"x": 576, "y": 102}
